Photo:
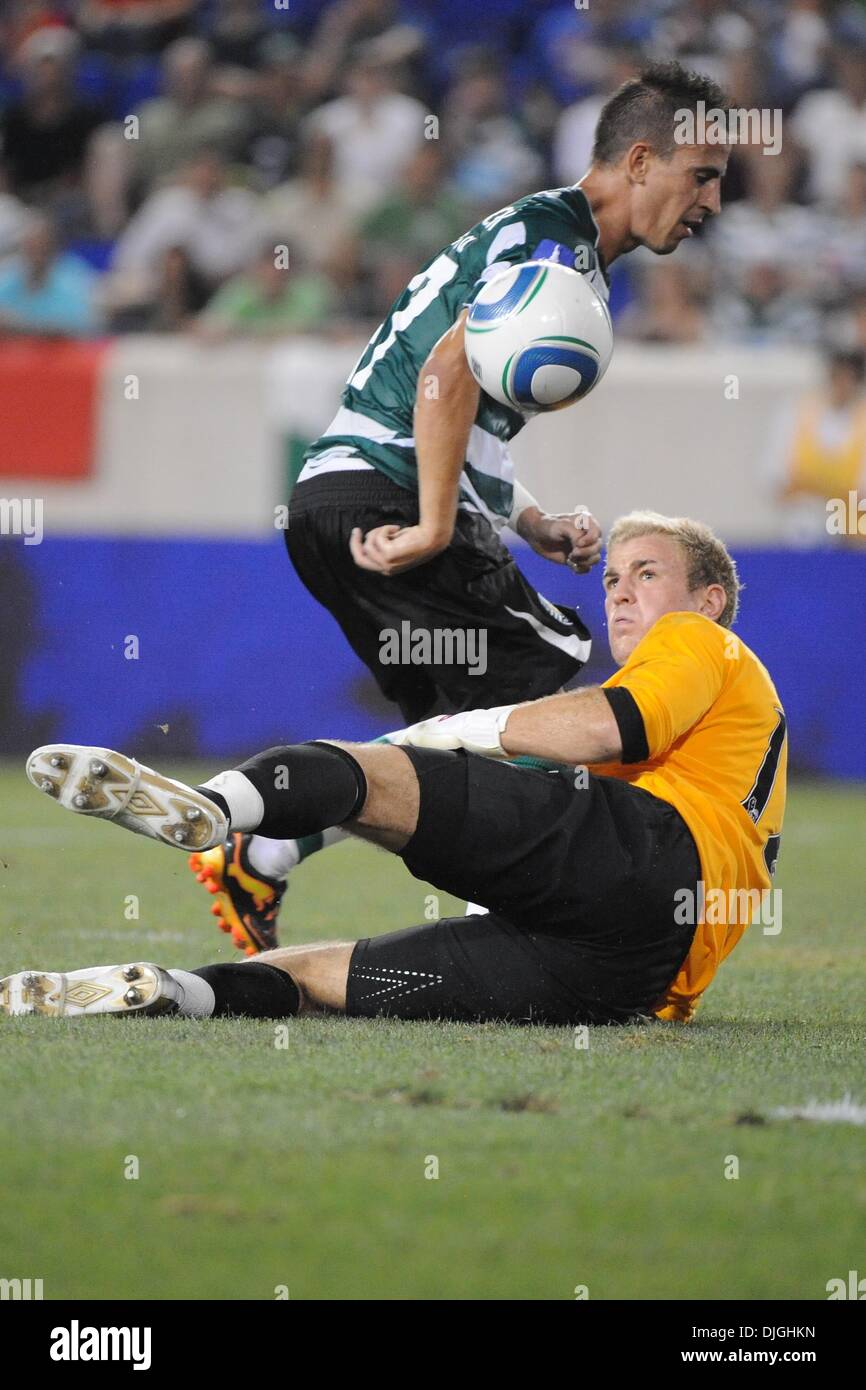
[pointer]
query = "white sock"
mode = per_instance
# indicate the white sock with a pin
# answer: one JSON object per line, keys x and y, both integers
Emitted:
{"x": 198, "y": 997}
{"x": 246, "y": 807}
{"x": 277, "y": 858}
{"x": 273, "y": 858}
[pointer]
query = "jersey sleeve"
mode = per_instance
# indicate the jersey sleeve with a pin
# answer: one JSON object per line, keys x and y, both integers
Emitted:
{"x": 673, "y": 677}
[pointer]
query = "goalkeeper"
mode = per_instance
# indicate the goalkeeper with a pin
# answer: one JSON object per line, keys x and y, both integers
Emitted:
{"x": 586, "y": 873}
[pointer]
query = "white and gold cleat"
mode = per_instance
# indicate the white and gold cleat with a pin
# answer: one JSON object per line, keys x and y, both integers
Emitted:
{"x": 98, "y": 782}
{"x": 139, "y": 988}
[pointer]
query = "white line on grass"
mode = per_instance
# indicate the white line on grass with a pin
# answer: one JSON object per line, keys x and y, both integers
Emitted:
{"x": 844, "y": 1111}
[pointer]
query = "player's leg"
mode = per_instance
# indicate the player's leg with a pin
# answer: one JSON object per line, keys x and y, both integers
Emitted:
{"x": 489, "y": 815}
{"x": 248, "y": 877}
{"x": 284, "y": 792}
{"x": 463, "y": 968}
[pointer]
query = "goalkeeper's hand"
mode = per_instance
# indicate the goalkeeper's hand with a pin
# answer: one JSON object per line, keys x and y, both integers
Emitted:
{"x": 477, "y": 730}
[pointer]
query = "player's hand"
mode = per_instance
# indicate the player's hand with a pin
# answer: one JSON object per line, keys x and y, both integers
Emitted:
{"x": 392, "y": 549}
{"x": 567, "y": 538}
{"x": 477, "y": 730}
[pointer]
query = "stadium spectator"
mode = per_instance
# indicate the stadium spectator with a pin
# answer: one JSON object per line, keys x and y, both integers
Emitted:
{"x": 317, "y": 213}
{"x": 830, "y": 125}
{"x": 45, "y": 134}
{"x": 276, "y": 297}
{"x": 44, "y": 291}
{"x": 189, "y": 117}
{"x": 346, "y": 26}
{"x": 847, "y": 327}
{"x": 21, "y": 18}
{"x": 701, "y": 33}
{"x": 219, "y": 227}
{"x": 277, "y": 105}
{"x": 180, "y": 293}
{"x": 492, "y": 158}
{"x": 405, "y": 229}
{"x": 800, "y": 46}
{"x": 569, "y": 44}
{"x": 14, "y": 217}
{"x": 374, "y": 128}
{"x": 767, "y": 226}
{"x": 237, "y": 31}
{"x": 844, "y": 237}
{"x": 818, "y": 449}
{"x": 123, "y": 27}
{"x": 575, "y": 129}
{"x": 766, "y": 310}
{"x": 669, "y": 309}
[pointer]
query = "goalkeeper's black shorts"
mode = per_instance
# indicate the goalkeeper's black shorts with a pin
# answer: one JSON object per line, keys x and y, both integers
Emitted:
{"x": 581, "y": 875}
{"x": 531, "y": 647}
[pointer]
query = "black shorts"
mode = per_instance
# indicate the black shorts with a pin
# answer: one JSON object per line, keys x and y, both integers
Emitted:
{"x": 580, "y": 874}
{"x": 530, "y": 646}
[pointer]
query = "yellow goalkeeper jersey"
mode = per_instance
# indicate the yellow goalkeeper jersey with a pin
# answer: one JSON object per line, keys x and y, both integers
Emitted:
{"x": 717, "y": 751}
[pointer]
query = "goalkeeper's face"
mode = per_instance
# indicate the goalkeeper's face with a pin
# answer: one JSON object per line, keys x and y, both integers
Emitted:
{"x": 644, "y": 578}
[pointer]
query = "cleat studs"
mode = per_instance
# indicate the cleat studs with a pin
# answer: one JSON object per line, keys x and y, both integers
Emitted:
{"x": 46, "y": 785}
{"x": 131, "y": 972}
{"x": 193, "y": 814}
{"x": 180, "y": 835}
{"x": 98, "y": 769}
{"x": 132, "y": 996}
{"x": 57, "y": 761}
{"x": 80, "y": 802}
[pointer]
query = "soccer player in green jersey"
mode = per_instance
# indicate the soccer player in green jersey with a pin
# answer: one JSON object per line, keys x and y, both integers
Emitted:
{"x": 394, "y": 521}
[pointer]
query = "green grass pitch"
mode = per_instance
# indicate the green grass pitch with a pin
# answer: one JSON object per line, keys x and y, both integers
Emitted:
{"x": 302, "y": 1168}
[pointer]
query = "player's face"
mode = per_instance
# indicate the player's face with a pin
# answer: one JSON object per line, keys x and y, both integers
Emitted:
{"x": 671, "y": 197}
{"x": 644, "y": 578}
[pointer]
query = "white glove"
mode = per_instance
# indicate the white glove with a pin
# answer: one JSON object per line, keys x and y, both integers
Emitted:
{"x": 476, "y": 730}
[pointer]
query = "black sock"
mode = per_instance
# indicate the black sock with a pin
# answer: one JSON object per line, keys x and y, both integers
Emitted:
{"x": 306, "y": 787}
{"x": 253, "y": 990}
{"x": 220, "y": 801}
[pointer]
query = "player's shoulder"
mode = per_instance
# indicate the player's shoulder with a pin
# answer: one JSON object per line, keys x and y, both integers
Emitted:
{"x": 567, "y": 204}
{"x": 555, "y": 224}
{"x": 694, "y": 632}
{"x": 684, "y": 629}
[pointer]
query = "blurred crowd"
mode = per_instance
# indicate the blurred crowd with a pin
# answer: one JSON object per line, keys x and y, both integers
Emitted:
{"x": 268, "y": 167}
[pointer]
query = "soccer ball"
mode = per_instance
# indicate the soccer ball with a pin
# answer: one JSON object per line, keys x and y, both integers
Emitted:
{"x": 538, "y": 337}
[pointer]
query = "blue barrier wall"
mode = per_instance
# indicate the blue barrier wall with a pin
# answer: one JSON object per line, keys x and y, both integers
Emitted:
{"x": 234, "y": 655}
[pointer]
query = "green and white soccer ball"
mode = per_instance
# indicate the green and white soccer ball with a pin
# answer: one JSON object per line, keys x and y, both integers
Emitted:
{"x": 538, "y": 337}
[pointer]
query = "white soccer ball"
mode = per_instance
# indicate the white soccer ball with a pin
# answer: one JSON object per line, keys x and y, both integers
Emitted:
{"x": 538, "y": 337}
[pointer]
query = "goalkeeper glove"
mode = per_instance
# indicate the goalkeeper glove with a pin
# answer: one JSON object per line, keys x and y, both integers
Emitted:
{"x": 476, "y": 730}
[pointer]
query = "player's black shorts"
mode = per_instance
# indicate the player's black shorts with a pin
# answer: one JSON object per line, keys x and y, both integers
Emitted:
{"x": 581, "y": 883}
{"x": 528, "y": 645}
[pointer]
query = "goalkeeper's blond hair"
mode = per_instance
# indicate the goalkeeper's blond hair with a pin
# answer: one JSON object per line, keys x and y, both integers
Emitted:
{"x": 707, "y": 558}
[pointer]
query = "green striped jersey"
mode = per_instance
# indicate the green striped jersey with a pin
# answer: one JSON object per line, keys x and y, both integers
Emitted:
{"x": 374, "y": 423}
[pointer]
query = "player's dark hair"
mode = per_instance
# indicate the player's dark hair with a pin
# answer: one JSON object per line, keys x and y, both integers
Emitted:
{"x": 646, "y": 107}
